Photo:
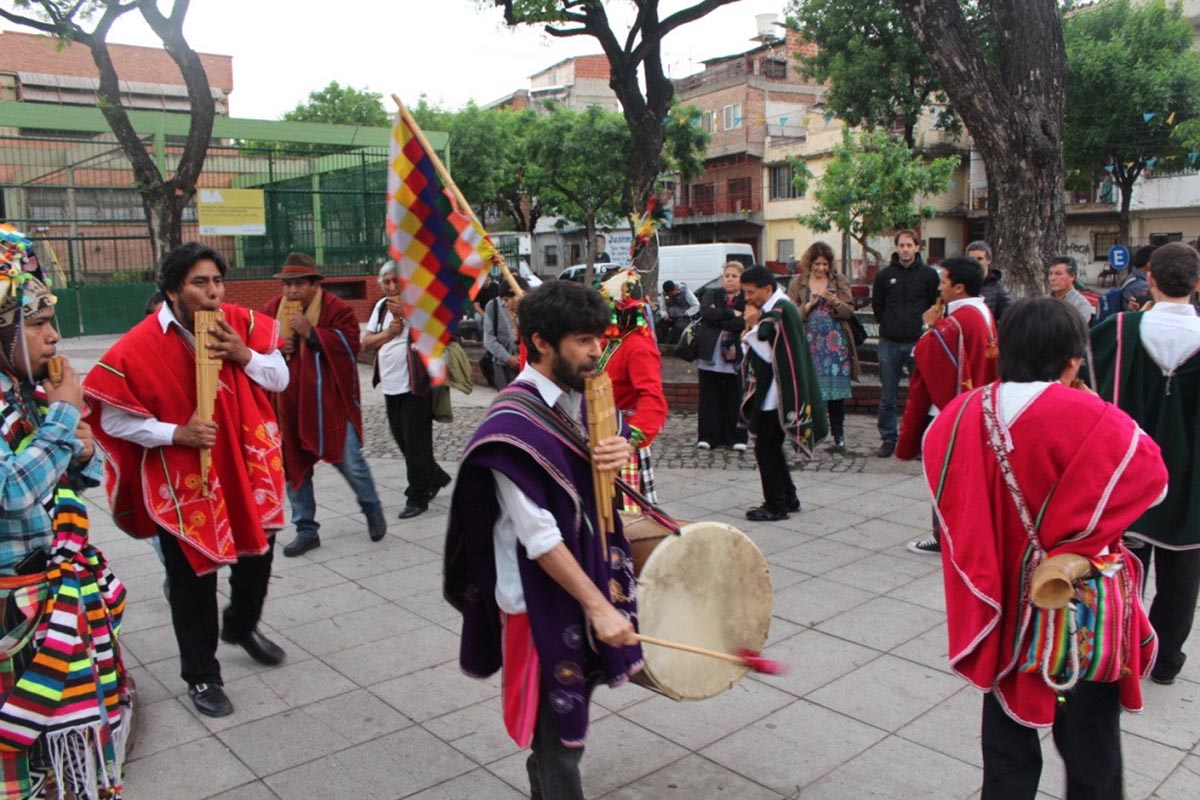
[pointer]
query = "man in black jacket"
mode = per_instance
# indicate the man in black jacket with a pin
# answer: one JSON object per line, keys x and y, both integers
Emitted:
{"x": 994, "y": 293}
{"x": 904, "y": 291}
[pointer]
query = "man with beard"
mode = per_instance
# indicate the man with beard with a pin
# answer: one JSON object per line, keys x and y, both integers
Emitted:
{"x": 540, "y": 596}
{"x": 143, "y": 394}
{"x": 903, "y": 291}
{"x": 62, "y": 681}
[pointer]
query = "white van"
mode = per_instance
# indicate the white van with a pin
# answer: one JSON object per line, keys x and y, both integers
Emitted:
{"x": 697, "y": 264}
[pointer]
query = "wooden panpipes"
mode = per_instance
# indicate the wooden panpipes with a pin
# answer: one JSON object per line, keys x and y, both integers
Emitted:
{"x": 208, "y": 370}
{"x": 287, "y": 310}
{"x": 602, "y": 423}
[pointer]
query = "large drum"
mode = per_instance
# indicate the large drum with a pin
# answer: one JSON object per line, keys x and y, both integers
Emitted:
{"x": 709, "y": 587}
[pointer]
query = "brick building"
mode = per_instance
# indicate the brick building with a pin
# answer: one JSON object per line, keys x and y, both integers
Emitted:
{"x": 744, "y": 98}
{"x": 575, "y": 83}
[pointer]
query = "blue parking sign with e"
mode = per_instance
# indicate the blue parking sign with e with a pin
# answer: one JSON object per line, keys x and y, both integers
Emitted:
{"x": 1118, "y": 256}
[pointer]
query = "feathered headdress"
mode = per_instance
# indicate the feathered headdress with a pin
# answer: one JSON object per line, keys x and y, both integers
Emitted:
{"x": 24, "y": 297}
{"x": 627, "y": 299}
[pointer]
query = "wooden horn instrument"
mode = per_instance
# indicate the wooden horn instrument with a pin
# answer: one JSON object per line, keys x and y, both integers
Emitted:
{"x": 1053, "y": 583}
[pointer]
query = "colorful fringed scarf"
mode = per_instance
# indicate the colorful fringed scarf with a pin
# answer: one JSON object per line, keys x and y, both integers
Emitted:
{"x": 61, "y": 676}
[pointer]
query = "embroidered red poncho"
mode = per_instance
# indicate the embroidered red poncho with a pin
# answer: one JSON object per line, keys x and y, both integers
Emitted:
{"x": 954, "y": 356}
{"x": 1094, "y": 471}
{"x": 153, "y": 374}
{"x": 323, "y": 392}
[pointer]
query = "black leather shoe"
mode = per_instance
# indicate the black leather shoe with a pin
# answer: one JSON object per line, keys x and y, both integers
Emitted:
{"x": 440, "y": 486}
{"x": 301, "y": 545}
{"x": 259, "y": 647}
{"x": 377, "y": 526}
{"x": 412, "y": 510}
{"x": 1164, "y": 674}
{"x": 886, "y": 450}
{"x": 764, "y": 514}
{"x": 210, "y": 700}
{"x": 793, "y": 504}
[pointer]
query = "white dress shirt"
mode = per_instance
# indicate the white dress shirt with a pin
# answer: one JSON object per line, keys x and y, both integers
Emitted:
{"x": 520, "y": 519}
{"x": 269, "y": 371}
{"x": 763, "y": 349}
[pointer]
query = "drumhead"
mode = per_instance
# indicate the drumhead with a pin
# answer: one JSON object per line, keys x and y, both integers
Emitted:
{"x": 709, "y": 587}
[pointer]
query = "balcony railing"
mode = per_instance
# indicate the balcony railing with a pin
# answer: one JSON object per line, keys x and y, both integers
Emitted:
{"x": 721, "y": 204}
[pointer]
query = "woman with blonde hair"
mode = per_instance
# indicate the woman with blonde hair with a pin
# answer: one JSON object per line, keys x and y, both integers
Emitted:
{"x": 823, "y": 296}
{"x": 719, "y": 344}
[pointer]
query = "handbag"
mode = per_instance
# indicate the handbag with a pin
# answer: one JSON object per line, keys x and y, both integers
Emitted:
{"x": 857, "y": 330}
{"x": 440, "y": 397}
{"x": 1090, "y": 638}
{"x": 688, "y": 348}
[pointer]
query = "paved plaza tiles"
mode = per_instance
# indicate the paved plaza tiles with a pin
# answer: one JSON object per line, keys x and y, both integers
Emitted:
{"x": 370, "y": 704}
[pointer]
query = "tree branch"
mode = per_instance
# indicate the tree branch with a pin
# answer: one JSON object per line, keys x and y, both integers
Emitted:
{"x": 30, "y": 22}
{"x": 690, "y": 14}
{"x": 563, "y": 33}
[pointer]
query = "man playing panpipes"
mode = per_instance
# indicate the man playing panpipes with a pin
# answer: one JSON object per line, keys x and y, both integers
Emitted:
{"x": 61, "y": 604}
{"x": 1148, "y": 363}
{"x": 633, "y": 363}
{"x": 320, "y": 415}
{"x": 955, "y": 355}
{"x": 782, "y": 399}
{"x": 1022, "y": 470}
{"x": 144, "y": 394}
{"x": 525, "y": 559}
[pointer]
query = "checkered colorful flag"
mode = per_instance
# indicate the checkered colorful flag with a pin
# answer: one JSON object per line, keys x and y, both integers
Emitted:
{"x": 442, "y": 251}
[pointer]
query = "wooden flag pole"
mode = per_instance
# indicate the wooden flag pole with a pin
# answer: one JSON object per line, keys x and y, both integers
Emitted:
{"x": 463, "y": 205}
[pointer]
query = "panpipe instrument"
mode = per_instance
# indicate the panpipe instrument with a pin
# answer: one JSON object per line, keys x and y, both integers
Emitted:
{"x": 54, "y": 370}
{"x": 287, "y": 310}
{"x": 208, "y": 369}
{"x": 601, "y": 424}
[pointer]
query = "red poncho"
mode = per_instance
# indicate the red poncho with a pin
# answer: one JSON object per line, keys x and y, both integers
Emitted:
{"x": 954, "y": 356}
{"x": 323, "y": 392}
{"x": 1094, "y": 471}
{"x": 153, "y": 374}
{"x": 633, "y": 363}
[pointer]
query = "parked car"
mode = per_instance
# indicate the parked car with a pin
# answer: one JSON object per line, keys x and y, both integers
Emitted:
{"x": 576, "y": 272}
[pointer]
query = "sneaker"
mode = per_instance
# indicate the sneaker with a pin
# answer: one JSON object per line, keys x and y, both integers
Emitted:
{"x": 928, "y": 546}
{"x": 702, "y": 445}
{"x": 740, "y": 447}
{"x": 886, "y": 450}
{"x": 839, "y": 443}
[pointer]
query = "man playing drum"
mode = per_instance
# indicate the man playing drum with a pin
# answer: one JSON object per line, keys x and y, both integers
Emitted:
{"x": 524, "y": 561}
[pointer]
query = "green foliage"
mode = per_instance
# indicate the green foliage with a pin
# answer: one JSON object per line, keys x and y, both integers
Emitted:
{"x": 1126, "y": 61}
{"x": 877, "y": 72}
{"x": 577, "y": 163}
{"x": 686, "y": 143}
{"x": 870, "y": 186}
{"x": 341, "y": 105}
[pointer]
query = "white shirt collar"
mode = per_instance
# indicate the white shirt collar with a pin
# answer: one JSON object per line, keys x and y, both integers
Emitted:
{"x": 550, "y": 391}
{"x": 166, "y": 317}
{"x": 976, "y": 303}
{"x": 773, "y": 299}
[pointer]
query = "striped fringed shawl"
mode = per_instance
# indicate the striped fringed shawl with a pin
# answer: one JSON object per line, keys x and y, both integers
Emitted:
{"x": 66, "y": 700}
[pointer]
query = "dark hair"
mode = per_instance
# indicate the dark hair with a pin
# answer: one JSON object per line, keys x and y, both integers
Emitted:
{"x": 981, "y": 245}
{"x": 909, "y": 232}
{"x": 668, "y": 286}
{"x": 1142, "y": 257}
{"x": 1072, "y": 269}
{"x": 1176, "y": 268}
{"x": 759, "y": 276}
{"x": 506, "y": 289}
{"x": 964, "y": 270}
{"x": 557, "y": 309}
{"x": 816, "y": 250}
{"x": 176, "y": 264}
{"x": 1038, "y": 338}
{"x": 154, "y": 301}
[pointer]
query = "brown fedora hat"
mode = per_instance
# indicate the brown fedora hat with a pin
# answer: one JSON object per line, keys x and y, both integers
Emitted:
{"x": 298, "y": 265}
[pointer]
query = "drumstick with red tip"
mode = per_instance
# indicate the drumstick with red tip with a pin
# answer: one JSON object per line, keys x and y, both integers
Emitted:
{"x": 745, "y": 657}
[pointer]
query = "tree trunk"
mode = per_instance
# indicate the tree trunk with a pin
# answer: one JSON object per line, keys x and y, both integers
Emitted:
{"x": 589, "y": 230}
{"x": 1126, "y": 186}
{"x": 1014, "y": 111}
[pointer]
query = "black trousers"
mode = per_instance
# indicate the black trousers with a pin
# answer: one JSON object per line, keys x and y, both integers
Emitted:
{"x": 552, "y": 766}
{"x": 1087, "y": 734}
{"x": 193, "y": 601}
{"x": 836, "y": 411}
{"x": 720, "y": 401}
{"x": 773, "y": 468}
{"x": 410, "y": 418}
{"x": 1176, "y": 588}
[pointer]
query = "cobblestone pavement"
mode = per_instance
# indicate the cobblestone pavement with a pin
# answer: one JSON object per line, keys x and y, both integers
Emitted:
{"x": 674, "y": 447}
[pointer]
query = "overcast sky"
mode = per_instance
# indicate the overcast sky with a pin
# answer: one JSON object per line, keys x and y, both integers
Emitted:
{"x": 451, "y": 50}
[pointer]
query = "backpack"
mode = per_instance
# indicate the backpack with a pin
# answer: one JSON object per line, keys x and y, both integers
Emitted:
{"x": 1110, "y": 303}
